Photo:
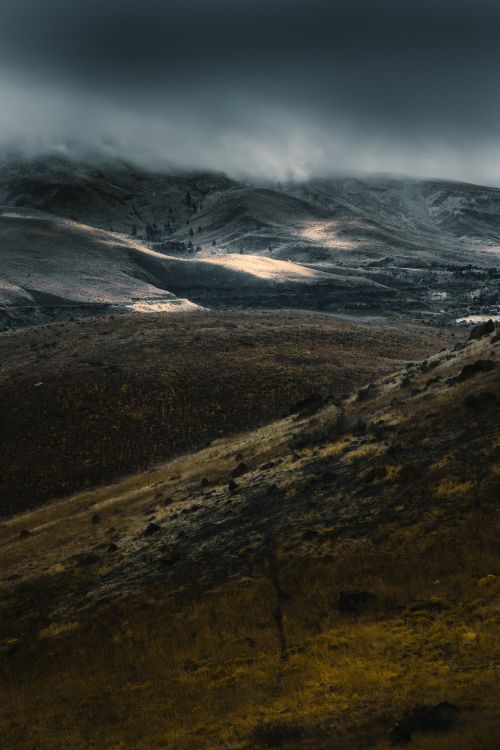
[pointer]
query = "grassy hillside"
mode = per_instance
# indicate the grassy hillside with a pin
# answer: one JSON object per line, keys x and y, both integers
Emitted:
{"x": 308, "y": 585}
{"x": 93, "y": 400}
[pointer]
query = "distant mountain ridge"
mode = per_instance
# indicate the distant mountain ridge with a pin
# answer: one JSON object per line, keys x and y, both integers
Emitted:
{"x": 379, "y": 244}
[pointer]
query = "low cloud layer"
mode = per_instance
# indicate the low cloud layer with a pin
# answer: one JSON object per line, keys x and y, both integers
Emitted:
{"x": 267, "y": 89}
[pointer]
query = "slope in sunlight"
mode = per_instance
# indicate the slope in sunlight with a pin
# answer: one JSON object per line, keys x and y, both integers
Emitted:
{"x": 54, "y": 268}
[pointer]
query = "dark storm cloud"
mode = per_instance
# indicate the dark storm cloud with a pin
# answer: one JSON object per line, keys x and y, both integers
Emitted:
{"x": 276, "y": 86}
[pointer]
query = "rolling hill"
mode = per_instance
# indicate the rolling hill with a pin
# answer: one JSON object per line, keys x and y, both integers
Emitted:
{"x": 110, "y": 195}
{"x": 372, "y": 245}
{"x": 56, "y": 269}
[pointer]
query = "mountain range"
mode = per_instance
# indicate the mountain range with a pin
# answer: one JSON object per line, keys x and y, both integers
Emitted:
{"x": 80, "y": 239}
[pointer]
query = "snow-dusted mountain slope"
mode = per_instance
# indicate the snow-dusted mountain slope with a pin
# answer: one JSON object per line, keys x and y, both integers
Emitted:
{"x": 52, "y": 267}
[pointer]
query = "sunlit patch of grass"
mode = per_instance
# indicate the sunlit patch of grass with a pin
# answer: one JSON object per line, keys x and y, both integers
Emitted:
{"x": 393, "y": 471}
{"x": 392, "y": 420}
{"x": 367, "y": 449}
{"x": 335, "y": 448}
{"x": 453, "y": 487}
{"x": 487, "y": 580}
{"x": 57, "y": 629}
{"x": 443, "y": 463}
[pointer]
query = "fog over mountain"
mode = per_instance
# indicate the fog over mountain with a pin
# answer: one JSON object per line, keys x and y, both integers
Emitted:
{"x": 263, "y": 89}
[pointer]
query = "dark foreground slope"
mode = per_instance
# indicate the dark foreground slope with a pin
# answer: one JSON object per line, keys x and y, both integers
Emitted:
{"x": 92, "y": 400}
{"x": 308, "y": 586}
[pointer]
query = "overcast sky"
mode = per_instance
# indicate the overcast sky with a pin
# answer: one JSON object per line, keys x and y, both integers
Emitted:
{"x": 278, "y": 88}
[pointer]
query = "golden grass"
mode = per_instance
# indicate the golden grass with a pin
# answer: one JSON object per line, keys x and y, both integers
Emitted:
{"x": 58, "y": 629}
{"x": 452, "y": 487}
{"x": 263, "y": 657}
{"x": 362, "y": 451}
{"x": 209, "y": 672}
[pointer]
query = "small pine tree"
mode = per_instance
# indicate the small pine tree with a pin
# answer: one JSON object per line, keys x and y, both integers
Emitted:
{"x": 191, "y": 232}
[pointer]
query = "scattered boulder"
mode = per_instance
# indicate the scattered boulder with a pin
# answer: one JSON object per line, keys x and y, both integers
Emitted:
{"x": 85, "y": 559}
{"x": 405, "y": 380}
{"x": 151, "y": 529}
{"x": 394, "y": 450}
{"x": 379, "y": 429}
{"x": 358, "y": 426}
{"x": 169, "y": 557}
{"x": 239, "y": 470}
{"x": 438, "y": 718}
{"x": 355, "y": 602}
{"x": 96, "y": 518}
{"x": 367, "y": 392}
{"x": 480, "y": 400}
{"x": 376, "y": 474}
{"x": 205, "y": 482}
{"x": 431, "y": 381}
{"x": 468, "y": 371}
{"x": 483, "y": 329}
{"x": 272, "y": 489}
{"x": 24, "y": 534}
{"x": 193, "y": 509}
{"x": 232, "y": 486}
{"x": 429, "y": 364}
{"x": 111, "y": 547}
